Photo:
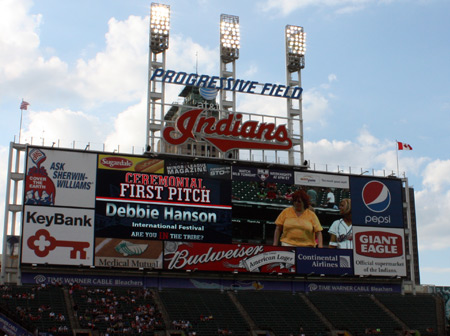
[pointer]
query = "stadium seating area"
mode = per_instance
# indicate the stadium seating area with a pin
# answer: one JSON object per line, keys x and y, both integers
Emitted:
{"x": 58, "y": 310}
{"x": 281, "y": 312}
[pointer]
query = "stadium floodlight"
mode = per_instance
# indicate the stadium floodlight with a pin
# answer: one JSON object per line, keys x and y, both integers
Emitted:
{"x": 295, "y": 48}
{"x": 159, "y": 27}
{"x": 230, "y": 39}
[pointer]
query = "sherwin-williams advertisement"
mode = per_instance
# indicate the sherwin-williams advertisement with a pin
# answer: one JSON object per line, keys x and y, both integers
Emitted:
{"x": 60, "y": 178}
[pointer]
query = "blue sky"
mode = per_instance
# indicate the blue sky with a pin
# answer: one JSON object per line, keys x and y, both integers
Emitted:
{"x": 376, "y": 72}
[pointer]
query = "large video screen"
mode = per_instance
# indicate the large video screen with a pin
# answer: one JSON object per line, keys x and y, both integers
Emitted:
{"x": 174, "y": 213}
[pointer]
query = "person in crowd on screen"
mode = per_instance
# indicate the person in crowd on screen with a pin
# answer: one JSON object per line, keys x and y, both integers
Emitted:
{"x": 331, "y": 200}
{"x": 312, "y": 196}
{"x": 341, "y": 234}
{"x": 298, "y": 225}
{"x": 262, "y": 194}
{"x": 288, "y": 195}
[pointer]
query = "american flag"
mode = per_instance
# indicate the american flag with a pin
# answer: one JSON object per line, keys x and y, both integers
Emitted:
{"x": 24, "y": 105}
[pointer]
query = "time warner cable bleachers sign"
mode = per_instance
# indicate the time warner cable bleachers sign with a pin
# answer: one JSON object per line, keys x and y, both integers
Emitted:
{"x": 128, "y": 211}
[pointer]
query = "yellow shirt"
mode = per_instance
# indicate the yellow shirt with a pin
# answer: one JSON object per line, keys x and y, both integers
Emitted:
{"x": 299, "y": 230}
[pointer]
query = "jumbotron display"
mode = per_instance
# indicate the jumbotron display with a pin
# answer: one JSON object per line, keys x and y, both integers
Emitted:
{"x": 177, "y": 213}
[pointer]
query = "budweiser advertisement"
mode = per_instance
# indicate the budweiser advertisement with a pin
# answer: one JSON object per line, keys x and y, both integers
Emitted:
{"x": 379, "y": 251}
{"x": 228, "y": 257}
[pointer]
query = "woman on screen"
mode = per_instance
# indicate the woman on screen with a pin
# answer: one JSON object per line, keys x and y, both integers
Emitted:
{"x": 341, "y": 235}
{"x": 298, "y": 225}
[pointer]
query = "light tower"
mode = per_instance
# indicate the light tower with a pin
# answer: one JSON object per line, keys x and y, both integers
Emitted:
{"x": 159, "y": 43}
{"x": 229, "y": 52}
{"x": 295, "y": 62}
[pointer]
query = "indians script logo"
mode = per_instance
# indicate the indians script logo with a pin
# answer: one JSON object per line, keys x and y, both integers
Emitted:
{"x": 376, "y": 196}
{"x": 228, "y": 133}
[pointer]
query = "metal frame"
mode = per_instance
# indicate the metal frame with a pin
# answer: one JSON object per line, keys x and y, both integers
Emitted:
{"x": 228, "y": 57}
{"x": 158, "y": 44}
{"x": 295, "y": 62}
{"x": 13, "y": 208}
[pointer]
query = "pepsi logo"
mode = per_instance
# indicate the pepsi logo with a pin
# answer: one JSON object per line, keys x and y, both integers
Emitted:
{"x": 376, "y": 196}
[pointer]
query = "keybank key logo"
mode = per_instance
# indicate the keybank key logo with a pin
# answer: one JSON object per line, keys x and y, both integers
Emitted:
{"x": 376, "y": 196}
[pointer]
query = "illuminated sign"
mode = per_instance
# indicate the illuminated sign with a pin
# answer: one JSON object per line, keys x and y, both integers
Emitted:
{"x": 228, "y": 133}
{"x": 227, "y": 84}
{"x": 376, "y": 202}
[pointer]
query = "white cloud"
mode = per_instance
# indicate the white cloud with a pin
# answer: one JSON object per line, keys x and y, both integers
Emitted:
{"x": 185, "y": 54}
{"x": 129, "y": 130}
{"x": 433, "y": 206}
{"x": 119, "y": 72}
{"x": 18, "y": 32}
{"x": 62, "y": 126}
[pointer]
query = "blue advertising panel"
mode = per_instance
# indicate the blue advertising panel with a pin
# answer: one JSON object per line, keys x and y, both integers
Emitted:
{"x": 352, "y": 287}
{"x": 162, "y": 207}
{"x": 81, "y": 279}
{"x": 376, "y": 202}
{"x": 324, "y": 261}
{"x": 11, "y": 328}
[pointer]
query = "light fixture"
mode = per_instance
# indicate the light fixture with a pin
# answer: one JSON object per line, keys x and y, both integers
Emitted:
{"x": 230, "y": 38}
{"x": 295, "y": 48}
{"x": 159, "y": 27}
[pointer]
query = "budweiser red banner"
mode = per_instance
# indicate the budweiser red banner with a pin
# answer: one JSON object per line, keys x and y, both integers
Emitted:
{"x": 228, "y": 257}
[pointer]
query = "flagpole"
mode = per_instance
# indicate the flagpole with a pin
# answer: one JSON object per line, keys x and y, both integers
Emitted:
{"x": 398, "y": 171}
{"x": 21, "y": 112}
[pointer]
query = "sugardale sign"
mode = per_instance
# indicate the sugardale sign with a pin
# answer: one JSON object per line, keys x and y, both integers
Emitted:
{"x": 228, "y": 133}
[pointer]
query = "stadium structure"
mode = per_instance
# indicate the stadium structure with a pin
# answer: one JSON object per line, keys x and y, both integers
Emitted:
{"x": 178, "y": 240}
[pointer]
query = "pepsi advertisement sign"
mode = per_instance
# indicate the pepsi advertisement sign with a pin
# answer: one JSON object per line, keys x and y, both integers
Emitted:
{"x": 376, "y": 202}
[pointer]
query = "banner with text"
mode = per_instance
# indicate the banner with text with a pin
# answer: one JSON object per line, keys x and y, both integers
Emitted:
{"x": 379, "y": 251}
{"x": 229, "y": 257}
{"x": 162, "y": 207}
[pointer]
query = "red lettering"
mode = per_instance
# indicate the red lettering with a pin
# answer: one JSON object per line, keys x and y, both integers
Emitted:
{"x": 230, "y": 131}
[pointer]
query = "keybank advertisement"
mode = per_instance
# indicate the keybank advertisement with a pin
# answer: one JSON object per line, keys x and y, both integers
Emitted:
{"x": 376, "y": 202}
{"x": 57, "y": 235}
{"x": 379, "y": 251}
{"x": 228, "y": 257}
{"x": 60, "y": 178}
{"x": 162, "y": 207}
{"x": 324, "y": 261}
